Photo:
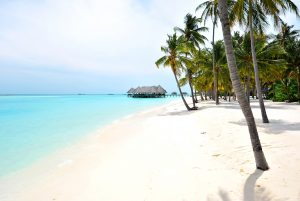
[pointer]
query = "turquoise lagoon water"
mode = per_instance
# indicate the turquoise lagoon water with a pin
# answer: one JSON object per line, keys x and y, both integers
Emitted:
{"x": 34, "y": 126}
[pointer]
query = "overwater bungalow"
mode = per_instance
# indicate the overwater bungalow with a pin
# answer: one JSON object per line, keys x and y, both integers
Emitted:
{"x": 147, "y": 92}
{"x": 173, "y": 94}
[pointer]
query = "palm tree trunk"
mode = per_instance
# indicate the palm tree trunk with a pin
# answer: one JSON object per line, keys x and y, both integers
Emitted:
{"x": 191, "y": 87}
{"x": 189, "y": 76}
{"x": 195, "y": 93}
{"x": 260, "y": 160}
{"x": 253, "y": 91}
{"x": 216, "y": 86}
{"x": 299, "y": 83}
{"x": 256, "y": 74}
{"x": 214, "y": 64}
{"x": 201, "y": 95}
{"x": 183, "y": 99}
{"x": 248, "y": 85}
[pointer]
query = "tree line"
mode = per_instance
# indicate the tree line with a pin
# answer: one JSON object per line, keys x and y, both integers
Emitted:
{"x": 246, "y": 65}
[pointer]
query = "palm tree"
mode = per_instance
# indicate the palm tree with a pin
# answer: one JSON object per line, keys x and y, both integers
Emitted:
{"x": 286, "y": 34}
{"x": 220, "y": 64}
{"x": 267, "y": 57}
{"x": 252, "y": 13}
{"x": 244, "y": 11}
{"x": 205, "y": 63}
{"x": 287, "y": 37}
{"x": 202, "y": 61}
{"x": 192, "y": 36}
{"x": 211, "y": 11}
{"x": 261, "y": 162}
{"x": 174, "y": 59}
{"x": 293, "y": 59}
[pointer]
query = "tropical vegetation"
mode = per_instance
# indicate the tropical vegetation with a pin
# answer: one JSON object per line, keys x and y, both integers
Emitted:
{"x": 247, "y": 66}
{"x": 267, "y": 64}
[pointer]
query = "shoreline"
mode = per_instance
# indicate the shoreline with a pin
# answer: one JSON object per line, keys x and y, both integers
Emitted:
{"x": 167, "y": 153}
{"x": 68, "y": 121}
{"x": 9, "y": 184}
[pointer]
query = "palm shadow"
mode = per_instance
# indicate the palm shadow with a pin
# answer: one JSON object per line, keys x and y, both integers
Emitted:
{"x": 178, "y": 113}
{"x": 249, "y": 187}
{"x": 235, "y": 105}
{"x": 254, "y": 192}
{"x": 223, "y": 195}
{"x": 274, "y": 127}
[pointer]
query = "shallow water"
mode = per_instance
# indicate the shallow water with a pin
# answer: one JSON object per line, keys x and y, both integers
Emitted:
{"x": 34, "y": 126}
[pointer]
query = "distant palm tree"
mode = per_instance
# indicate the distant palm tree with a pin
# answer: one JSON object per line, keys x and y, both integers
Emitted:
{"x": 205, "y": 62}
{"x": 202, "y": 61}
{"x": 293, "y": 59}
{"x": 287, "y": 37}
{"x": 192, "y": 36}
{"x": 173, "y": 58}
{"x": 220, "y": 64}
{"x": 268, "y": 57}
{"x": 286, "y": 34}
{"x": 211, "y": 11}
{"x": 261, "y": 162}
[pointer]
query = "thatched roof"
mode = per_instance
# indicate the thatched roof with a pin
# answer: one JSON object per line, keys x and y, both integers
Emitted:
{"x": 161, "y": 90}
{"x": 147, "y": 90}
{"x": 130, "y": 91}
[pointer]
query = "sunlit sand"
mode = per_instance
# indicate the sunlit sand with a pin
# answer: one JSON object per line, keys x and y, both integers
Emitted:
{"x": 170, "y": 154}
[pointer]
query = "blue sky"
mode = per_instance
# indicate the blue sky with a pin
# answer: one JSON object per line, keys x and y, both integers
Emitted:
{"x": 87, "y": 46}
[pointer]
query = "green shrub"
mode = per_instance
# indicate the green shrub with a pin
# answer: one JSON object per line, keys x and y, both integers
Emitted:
{"x": 285, "y": 90}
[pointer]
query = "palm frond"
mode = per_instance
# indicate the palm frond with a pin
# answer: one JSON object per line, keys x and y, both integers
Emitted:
{"x": 161, "y": 61}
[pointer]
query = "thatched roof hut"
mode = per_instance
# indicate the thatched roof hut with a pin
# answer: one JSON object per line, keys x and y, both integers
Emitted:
{"x": 130, "y": 91}
{"x": 147, "y": 92}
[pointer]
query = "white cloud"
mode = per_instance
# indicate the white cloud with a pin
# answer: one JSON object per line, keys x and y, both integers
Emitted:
{"x": 105, "y": 36}
{"x": 98, "y": 37}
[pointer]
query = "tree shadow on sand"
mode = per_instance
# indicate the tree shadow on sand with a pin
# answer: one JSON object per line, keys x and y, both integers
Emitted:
{"x": 249, "y": 187}
{"x": 253, "y": 192}
{"x": 274, "y": 127}
{"x": 222, "y": 195}
{"x": 235, "y": 105}
{"x": 178, "y": 113}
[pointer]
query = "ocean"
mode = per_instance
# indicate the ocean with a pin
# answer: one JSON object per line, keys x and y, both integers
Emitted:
{"x": 32, "y": 126}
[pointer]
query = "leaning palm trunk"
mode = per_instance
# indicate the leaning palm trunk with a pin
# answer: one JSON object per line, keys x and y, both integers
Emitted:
{"x": 256, "y": 74}
{"x": 214, "y": 65}
{"x": 178, "y": 85}
{"x": 260, "y": 160}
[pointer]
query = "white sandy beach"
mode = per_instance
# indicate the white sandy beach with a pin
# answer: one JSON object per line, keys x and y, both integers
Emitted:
{"x": 169, "y": 154}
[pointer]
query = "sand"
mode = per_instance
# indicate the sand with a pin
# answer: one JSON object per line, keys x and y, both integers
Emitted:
{"x": 169, "y": 154}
